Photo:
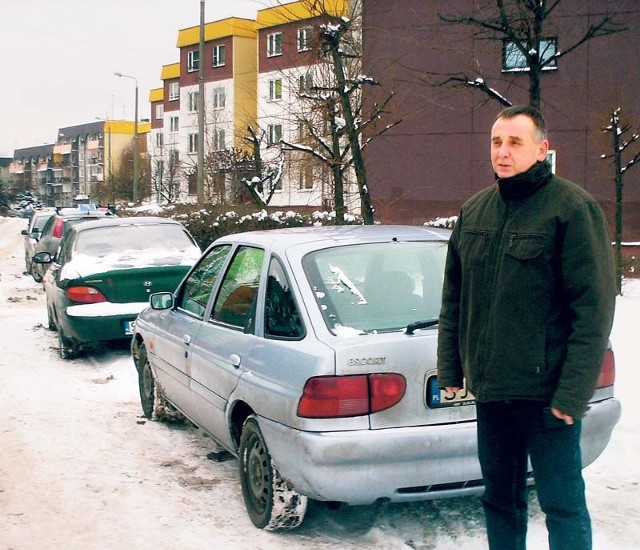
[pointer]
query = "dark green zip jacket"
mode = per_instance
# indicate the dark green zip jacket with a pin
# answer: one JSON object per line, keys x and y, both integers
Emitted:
{"x": 529, "y": 293}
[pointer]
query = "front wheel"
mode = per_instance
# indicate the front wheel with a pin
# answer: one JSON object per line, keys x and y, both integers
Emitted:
{"x": 151, "y": 397}
{"x": 270, "y": 502}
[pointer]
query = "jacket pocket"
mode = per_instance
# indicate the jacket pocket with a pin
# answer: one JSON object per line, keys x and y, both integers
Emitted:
{"x": 526, "y": 246}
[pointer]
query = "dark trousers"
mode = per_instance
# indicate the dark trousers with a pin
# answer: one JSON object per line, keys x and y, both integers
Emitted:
{"x": 510, "y": 432}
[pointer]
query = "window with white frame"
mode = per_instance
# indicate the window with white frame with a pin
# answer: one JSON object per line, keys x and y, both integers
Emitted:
{"x": 174, "y": 159}
{"x": 275, "y": 89}
{"x": 159, "y": 139}
{"x": 174, "y": 125}
{"x": 174, "y": 91}
{"x": 274, "y": 44}
{"x": 193, "y": 60}
{"x": 159, "y": 111}
{"x": 219, "y": 55}
{"x": 218, "y": 139}
{"x": 193, "y": 101}
{"x": 514, "y": 60}
{"x": 551, "y": 159}
{"x": 193, "y": 143}
{"x": 305, "y": 181}
{"x": 274, "y": 134}
{"x": 219, "y": 98}
{"x": 305, "y": 35}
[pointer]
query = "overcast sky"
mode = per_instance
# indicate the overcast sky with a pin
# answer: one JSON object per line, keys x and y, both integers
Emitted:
{"x": 57, "y": 59}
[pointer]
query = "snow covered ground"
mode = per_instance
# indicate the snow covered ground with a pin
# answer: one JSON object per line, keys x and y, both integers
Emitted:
{"x": 80, "y": 468}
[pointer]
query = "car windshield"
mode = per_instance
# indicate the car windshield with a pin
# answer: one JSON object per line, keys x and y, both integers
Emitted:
{"x": 377, "y": 287}
{"x": 132, "y": 239}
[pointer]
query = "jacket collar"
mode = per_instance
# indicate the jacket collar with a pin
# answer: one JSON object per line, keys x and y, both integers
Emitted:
{"x": 525, "y": 184}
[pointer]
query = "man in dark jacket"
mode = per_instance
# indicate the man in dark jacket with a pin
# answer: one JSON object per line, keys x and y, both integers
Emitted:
{"x": 527, "y": 308}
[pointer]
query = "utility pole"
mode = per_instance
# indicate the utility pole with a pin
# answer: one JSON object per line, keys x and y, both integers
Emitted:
{"x": 136, "y": 148}
{"x": 201, "y": 137}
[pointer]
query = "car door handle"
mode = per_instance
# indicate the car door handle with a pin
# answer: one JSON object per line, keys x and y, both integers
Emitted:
{"x": 186, "y": 339}
{"x": 234, "y": 360}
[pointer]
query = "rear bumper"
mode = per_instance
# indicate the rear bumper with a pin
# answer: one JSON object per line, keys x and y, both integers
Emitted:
{"x": 400, "y": 464}
{"x": 98, "y": 322}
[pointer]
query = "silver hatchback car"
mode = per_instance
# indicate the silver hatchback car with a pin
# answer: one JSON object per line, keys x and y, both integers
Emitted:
{"x": 310, "y": 354}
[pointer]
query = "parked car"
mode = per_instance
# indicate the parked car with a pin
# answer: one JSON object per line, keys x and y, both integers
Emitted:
{"x": 310, "y": 354}
{"x": 32, "y": 234}
{"x": 55, "y": 229}
{"x": 105, "y": 272}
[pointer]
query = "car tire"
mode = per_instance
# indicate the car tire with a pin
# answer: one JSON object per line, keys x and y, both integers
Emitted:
{"x": 151, "y": 397}
{"x": 270, "y": 502}
{"x": 67, "y": 348}
{"x": 51, "y": 322}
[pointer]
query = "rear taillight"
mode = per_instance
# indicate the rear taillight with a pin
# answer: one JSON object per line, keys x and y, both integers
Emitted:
{"x": 357, "y": 395}
{"x": 57, "y": 229}
{"x": 608, "y": 371}
{"x": 85, "y": 295}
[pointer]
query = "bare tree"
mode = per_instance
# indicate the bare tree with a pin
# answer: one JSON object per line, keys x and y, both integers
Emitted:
{"x": 331, "y": 113}
{"x": 523, "y": 27}
{"x": 620, "y": 143}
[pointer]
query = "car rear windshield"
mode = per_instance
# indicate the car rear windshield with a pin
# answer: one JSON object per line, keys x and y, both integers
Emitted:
{"x": 377, "y": 287}
{"x": 102, "y": 241}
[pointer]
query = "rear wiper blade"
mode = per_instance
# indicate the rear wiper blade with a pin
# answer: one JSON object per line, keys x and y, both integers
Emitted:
{"x": 411, "y": 327}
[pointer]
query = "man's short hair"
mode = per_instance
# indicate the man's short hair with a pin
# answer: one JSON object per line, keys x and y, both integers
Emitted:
{"x": 527, "y": 110}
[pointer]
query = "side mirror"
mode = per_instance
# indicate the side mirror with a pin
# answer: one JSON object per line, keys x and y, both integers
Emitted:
{"x": 161, "y": 300}
{"x": 42, "y": 258}
{"x": 24, "y": 232}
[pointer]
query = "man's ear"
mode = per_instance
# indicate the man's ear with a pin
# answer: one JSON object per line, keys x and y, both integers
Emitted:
{"x": 543, "y": 149}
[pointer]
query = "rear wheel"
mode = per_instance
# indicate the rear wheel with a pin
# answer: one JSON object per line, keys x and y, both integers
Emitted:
{"x": 270, "y": 502}
{"x": 67, "y": 347}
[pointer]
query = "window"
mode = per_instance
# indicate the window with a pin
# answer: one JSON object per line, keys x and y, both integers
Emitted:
{"x": 274, "y": 44}
{"x": 174, "y": 91}
{"x": 219, "y": 97}
{"x": 235, "y": 303}
{"x": 305, "y": 82}
{"x": 219, "y": 55}
{"x": 281, "y": 314}
{"x": 193, "y": 143}
{"x": 199, "y": 285}
{"x": 193, "y": 60}
{"x": 159, "y": 139}
{"x": 173, "y": 124}
{"x": 159, "y": 111}
{"x": 514, "y": 60}
{"x": 218, "y": 140}
{"x": 305, "y": 34}
{"x": 551, "y": 159}
{"x": 275, "y": 89}
{"x": 274, "y": 133}
{"x": 193, "y": 102}
{"x": 174, "y": 159}
{"x": 305, "y": 181}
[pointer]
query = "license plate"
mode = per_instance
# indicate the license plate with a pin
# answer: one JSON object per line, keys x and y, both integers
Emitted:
{"x": 129, "y": 327}
{"x": 437, "y": 398}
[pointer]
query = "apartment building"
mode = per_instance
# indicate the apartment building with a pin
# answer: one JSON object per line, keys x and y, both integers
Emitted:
{"x": 79, "y": 165}
{"x": 438, "y": 156}
{"x": 229, "y": 72}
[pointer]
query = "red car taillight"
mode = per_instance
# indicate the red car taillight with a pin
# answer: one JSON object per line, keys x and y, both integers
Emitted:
{"x": 357, "y": 395}
{"x": 85, "y": 295}
{"x": 608, "y": 371}
{"x": 57, "y": 229}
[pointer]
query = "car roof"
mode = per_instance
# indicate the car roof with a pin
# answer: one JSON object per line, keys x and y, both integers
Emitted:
{"x": 325, "y": 236}
{"x": 113, "y": 221}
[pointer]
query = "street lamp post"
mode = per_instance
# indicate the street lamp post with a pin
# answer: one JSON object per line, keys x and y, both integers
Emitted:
{"x": 136, "y": 150}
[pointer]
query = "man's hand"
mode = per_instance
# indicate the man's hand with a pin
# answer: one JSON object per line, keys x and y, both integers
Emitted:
{"x": 452, "y": 389}
{"x": 568, "y": 420}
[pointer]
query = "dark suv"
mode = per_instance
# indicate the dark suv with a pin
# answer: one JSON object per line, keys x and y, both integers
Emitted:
{"x": 57, "y": 227}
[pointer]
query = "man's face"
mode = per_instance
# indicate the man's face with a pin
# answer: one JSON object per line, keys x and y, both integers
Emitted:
{"x": 514, "y": 146}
